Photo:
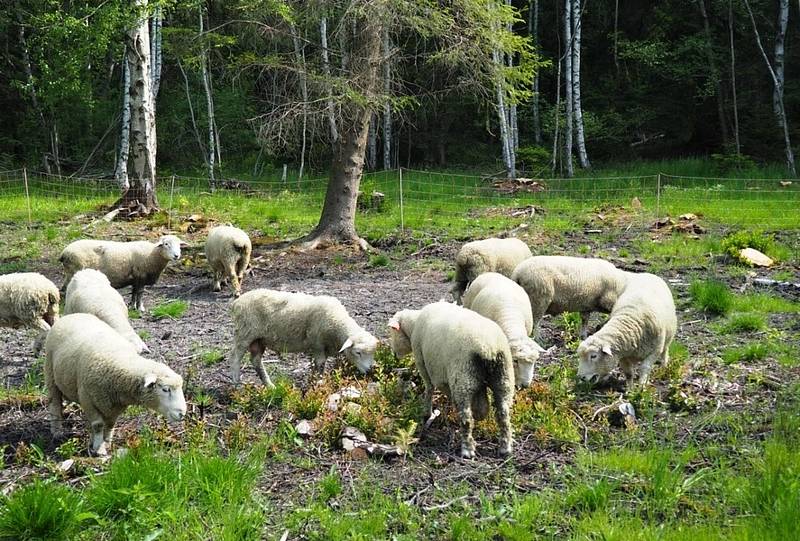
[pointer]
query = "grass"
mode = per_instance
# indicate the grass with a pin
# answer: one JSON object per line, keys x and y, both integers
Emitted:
{"x": 757, "y": 351}
{"x": 42, "y": 510}
{"x": 211, "y": 356}
{"x": 743, "y": 322}
{"x": 712, "y": 296}
{"x": 171, "y": 309}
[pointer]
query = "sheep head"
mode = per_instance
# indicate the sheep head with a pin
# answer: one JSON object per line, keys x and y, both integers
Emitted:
{"x": 525, "y": 354}
{"x": 170, "y": 247}
{"x": 360, "y": 350}
{"x": 597, "y": 360}
{"x": 399, "y": 334}
{"x": 164, "y": 394}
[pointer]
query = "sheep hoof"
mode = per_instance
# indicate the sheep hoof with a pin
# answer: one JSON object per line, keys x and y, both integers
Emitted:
{"x": 467, "y": 453}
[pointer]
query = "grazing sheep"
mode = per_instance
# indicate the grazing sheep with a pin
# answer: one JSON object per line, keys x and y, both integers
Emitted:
{"x": 136, "y": 264}
{"x": 557, "y": 284}
{"x": 90, "y": 292}
{"x": 488, "y": 255}
{"x": 295, "y": 322}
{"x": 502, "y": 300}
{"x": 463, "y": 353}
{"x": 28, "y": 299}
{"x": 228, "y": 251}
{"x": 88, "y": 362}
{"x": 637, "y": 334}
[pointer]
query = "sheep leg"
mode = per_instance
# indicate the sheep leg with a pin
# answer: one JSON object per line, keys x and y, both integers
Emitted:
{"x": 39, "y": 342}
{"x": 467, "y": 424}
{"x": 241, "y": 266}
{"x": 255, "y": 360}
{"x": 627, "y": 369}
{"x": 237, "y": 289}
{"x": 427, "y": 397}
{"x": 97, "y": 427}
{"x": 645, "y": 368}
{"x": 503, "y": 395}
{"x": 319, "y": 363}
{"x": 216, "y": 285}
{"x": 137, "y": 297}
{"x": 55, "y": 408}
{"x": 236, "y": 362}
{"x": 585, "y": 324}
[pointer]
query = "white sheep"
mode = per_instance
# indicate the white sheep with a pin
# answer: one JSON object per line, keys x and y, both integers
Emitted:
{"x": 296, "y": 322}
{"x": 136, "y": 264}
{"x": 28, "y": 299}
{"x": 464, "y": 354}
{"x": 88, "y": 362}
{"x": 502, "y": 300}
{"x": 228, "y": 251}
{"x": 488, "y": 255}
{"x": 557, "y": 284}
{"x": 637, "y": 334}
{"x": 90, "y": 292}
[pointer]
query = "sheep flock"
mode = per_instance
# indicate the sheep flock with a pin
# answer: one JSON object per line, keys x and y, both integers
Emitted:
{"x": 487, "y": 347}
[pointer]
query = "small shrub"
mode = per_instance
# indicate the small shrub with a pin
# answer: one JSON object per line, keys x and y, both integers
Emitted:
{"x": 69, "y": 448}
{"x": 330, "y": 486}
{"x": 41, "y": 511}
{"x": 134, "y": 314}
{"x": 533, "y": 158}
{"x": 744, "y": 322}
{"x": 731, "y": 161}
{"x": 171, "y": 309}
{"x": 378, "y": 260}
{"x": 212, "y": 356}
{"x": 712, "y": 296}
{"x": 735, "y": 242}
{"x": 250, "y": 398}
{"x": 756, "y": 351}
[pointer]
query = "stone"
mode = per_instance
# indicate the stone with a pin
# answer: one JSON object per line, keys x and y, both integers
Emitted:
{"x": 754, "y": 257}
{"x": 304, "y": 428}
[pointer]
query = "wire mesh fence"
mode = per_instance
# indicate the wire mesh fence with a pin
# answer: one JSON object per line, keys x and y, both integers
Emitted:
{"x": 409, "y": 201}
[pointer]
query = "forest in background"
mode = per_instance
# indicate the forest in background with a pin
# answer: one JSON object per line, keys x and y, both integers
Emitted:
{"x": 657, "y": 80}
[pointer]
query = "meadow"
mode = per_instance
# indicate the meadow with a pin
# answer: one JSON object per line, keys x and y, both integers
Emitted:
{"x": 712, "y": 453}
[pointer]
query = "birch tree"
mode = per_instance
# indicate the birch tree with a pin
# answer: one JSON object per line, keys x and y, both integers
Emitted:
{"x": 533, "y": 32}
{"x": 212, "y": 137}
{"x": 568, "y": 97}
{"x": 737, "y": 143}
{"x": 386, "y": 43}
{"x": 121, "y": 170}
{"x": 776, "y": 73}
{"x": 326, "y": 70}
{"x": 577, "y": 18}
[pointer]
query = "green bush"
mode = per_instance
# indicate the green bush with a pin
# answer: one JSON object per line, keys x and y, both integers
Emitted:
{"x": 533, "y": 158}
{"x": 728, "y": 162}
{"x": 712, "y": 296}
{"x": 735, "y": 242}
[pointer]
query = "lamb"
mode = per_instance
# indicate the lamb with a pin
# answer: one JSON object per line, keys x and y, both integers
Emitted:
{"x": 637, "y": 334}
{"x": 136, "y": 264}
{"x": 296, "y": 322}
{"x": 557, "y": 284}
{"x": 502, "y": 300}
{"x": 90, "y": 292}
{"x": 90, "y": 363}
{"x": 28, "y": 299}
{"x": 488, "y": 255}
{"x": 228, "y": 251}
{"x": 463, "y": 353}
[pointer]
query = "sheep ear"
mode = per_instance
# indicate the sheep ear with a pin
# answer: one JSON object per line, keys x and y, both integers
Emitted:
{"x": 394, "y": 324}
{"x": 184, "y": 244}
{"x": 150, "y": 381}
{"x": 607, "y": 350}
{"x": 347, "y": 344}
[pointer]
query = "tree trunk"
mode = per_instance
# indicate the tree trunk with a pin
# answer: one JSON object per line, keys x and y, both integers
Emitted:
{"x": 155, "y": 52}
{"x": 387, "y": 107}
{"x": 577, "y": 21}
{"x": 712, "y": 66}
{"x": 505, "y": 136}
{"x": 557, "y": 115}
{"x": 533, "y": 31}
{"x": 26, "y": 65}
{"x": 513, "y": 131}
{"x": 121, "y": 171}
{"x": 569, "y": 103}
{"x": 300, "y": 58}
{"x": 326, "y": 70}
{"x": 616, "y": 35}
{"x": 140, "y": 197}
{"x": 780, "y": 109}
{"x": 211, "y": 159}
{"x": 191, "y": 113}
{"x": 372, "y": 143}
{"x": 337, "y": 222}
{"x": 733, "y": 82}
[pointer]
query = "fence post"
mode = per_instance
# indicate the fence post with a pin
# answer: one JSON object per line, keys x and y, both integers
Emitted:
{"x": 402, "y": 216}
{"x": 169, "y": 211}
{"x": 658, "y": 197}
{"x": 27, "y": 195}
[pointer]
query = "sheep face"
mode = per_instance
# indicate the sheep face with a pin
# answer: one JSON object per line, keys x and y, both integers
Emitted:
{"x": 360, "y": 350}
{"x": 525, "y": 354}
{"x": 170, "y": 247}
{"x": 597, "y": 360}
{"x": 166, "y": 397}
{"x": 398, "y": 339}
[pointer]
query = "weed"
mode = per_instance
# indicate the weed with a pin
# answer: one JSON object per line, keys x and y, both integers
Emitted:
{"x": 69, "y": 448}
{"x": 743, "y": 322}
{"x": 765, "y": 303}
{"x": 330, "y": 486}
{"x": 758, "y": 240}
{"x": 250, "y": 398}
{"x": 41, "y": 511}
{"x": 712, "y": 296}
{"x": 134, "y": 314}
{"x": 674, "y": 369}
{"x": 144, "y": 334}
{"x": 171, "y": 309}
{"x": 378, "y": 260}
{"x": 570, "y": 323}
{"x": 13, "y": 266}
{"x": 756, "y": 351}
{"x": 212, "y": 356}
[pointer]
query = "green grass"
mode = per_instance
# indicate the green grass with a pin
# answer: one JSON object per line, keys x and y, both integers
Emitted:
{"x": 212, "y": 356}
{"x": 712, "y": 296}
{"x": 171, "y": 309}
{"x": 765, "y": 303}
{"x": 42, "y": 510}
{"x": 378, "y": 260}
{"x": 756, "y": 351}
{"x": 743, "y": 322}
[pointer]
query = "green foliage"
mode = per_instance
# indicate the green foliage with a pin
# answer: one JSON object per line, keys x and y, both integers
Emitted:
{"x": 756, "y": 351}
{"x": 212, "y": 356}
{"x": 730, "y": 162}
{"x": 534, "y": 158}
{"x": 41, "y": 511}
{"x": 378, "y": 260}
{"x": 171, "y": 309}
{"x": 735, "y": 242}
{"x": 712, "y": 296}
{"x": 744, "y": 322}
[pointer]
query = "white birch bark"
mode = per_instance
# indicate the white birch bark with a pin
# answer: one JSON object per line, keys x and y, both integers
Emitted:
{"x": 326, "y": 69}
{"x": 780, "y": 109}
{"x": 372, "y": 143}
{"x": 513, "y": 132}
{"x": 211, "y": 156}
{"x": 300, "y": 58}
{"x": 191, "y": 113}
{"x": 577, "y": 20}
{"x": 387, "y": 107}
{"x": 733, "y": 82}
{"x": 556, "y": 116}
{"x": 121, "y": 171}
{"x": 533, "y": 31}
{"x": 569, "y": 104}
{"x": 508, "y": 149}
{"x": 155, "y": 52}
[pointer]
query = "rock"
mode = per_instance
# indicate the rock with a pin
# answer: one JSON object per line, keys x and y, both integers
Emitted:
{"x": 754, "y": 257}
{"x": 353, "y": 433}
{"x": 304, "y": 428}
{"x": 333, "y": 401}
{"x": 350, "y": 393}
{"x": 66, "y": 465}
{"x": 352, "y": 408}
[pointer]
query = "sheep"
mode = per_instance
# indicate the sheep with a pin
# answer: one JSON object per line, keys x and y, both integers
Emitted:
{"x": 637, "y": 334}
{"x": 88, "y": 362}
{"x": 296, "y": 322}
{"x": 228, "y": 251}
{"x": 488, "y": 255}
{"x": 557, "y": 284}
{"x": 136, "y": 264}
{"x": 462, "y": 353}
{"x": 90, "y": 292}
{"x": 502, "y": 300}
{"x": 28, "y": 299}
